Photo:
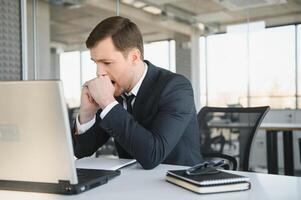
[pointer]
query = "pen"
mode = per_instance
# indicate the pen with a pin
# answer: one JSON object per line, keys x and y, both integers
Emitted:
{"x": 205, "y": 167}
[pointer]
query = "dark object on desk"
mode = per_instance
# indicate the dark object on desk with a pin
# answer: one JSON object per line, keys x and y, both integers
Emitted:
{"x": 207, "y": 178}
{"x": 207, "y": 167}
{"x": 228, "y": 132}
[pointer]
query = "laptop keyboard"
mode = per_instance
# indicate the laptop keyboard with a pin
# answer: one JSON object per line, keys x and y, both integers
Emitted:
{"x": 85, "y": 175}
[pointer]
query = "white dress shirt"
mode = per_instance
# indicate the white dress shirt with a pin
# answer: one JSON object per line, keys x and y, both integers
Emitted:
{"x": 81, "y": 128}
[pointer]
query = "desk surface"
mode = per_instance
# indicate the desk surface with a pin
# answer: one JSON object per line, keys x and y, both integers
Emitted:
{"x": 281, "y": 126}
{"x": 265, "y": 126}
{"x": 136, "y": 183}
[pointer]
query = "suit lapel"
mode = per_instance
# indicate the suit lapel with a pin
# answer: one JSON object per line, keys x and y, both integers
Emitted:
{"x": 145, "y": 90}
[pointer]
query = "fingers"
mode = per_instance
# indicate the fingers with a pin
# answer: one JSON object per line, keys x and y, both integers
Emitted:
{"x": 92, "y": 101}
{"x": 90, "y": 98}
{"x": 99, "y": 75}
{"x": 98, "y": 90}
{"x": 85, "y": 85}
{"x": 87, "y": 93}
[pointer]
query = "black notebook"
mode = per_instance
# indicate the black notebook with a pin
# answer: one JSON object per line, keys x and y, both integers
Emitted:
{"x": 209, "y": 183}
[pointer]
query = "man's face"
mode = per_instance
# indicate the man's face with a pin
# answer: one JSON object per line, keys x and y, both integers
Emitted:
{"x": 112, "y": 63}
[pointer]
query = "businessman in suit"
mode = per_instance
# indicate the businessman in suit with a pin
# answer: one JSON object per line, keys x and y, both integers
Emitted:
{"x": 149, "y": 111}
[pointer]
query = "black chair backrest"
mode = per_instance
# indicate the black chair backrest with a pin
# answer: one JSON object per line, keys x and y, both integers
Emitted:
{"x": 230, "y": 130}
{"x": 72, "y": 113}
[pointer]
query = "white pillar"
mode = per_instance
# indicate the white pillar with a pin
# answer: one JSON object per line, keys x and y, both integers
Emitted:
{"x": 24, "y": 39}
{"x": 38, "y": 44}
{"x": 195, "y": 66}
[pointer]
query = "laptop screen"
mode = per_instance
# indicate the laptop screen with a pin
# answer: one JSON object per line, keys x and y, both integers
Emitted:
{"x": 35, "y": 139}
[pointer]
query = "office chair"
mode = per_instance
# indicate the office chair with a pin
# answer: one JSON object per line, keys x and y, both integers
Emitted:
{"x": 72, "y": 114}
{"x": 107, "y": 149}
{"x": 217, "y": 124}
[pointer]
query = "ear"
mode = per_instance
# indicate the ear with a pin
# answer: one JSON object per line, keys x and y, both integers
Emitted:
{"x": 135, "y": 55}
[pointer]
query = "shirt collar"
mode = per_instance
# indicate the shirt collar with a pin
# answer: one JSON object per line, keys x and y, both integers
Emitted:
{"x": 136, "y": 88}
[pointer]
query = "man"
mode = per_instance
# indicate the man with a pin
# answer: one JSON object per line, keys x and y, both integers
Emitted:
{"x": 148, "y": 111}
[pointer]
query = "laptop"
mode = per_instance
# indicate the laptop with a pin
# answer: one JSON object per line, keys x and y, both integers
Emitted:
{"x": 36, "y": 150}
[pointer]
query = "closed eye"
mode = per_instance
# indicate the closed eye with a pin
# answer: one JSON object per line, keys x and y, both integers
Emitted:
{"x": 107, "y": 63}
{"x": 103, "y": 61}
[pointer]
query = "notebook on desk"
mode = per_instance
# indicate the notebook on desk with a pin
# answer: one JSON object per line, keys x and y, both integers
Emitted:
{"x": 220, "y": 181}
{"x": 36, "y": 150}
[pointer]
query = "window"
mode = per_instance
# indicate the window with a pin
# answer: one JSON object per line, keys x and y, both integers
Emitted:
{"x": 75, "y": 69}
{"x": 203, "y": 71}
{"x": 226, "y": 69}
{"x": 88, "y": 67}
{"x": 161, "y": 54}
{"x": 272, "y": 67}
{"x": 266, "y": 65}
{"x": 298, "y": 53}
{"x": 70, "y": 76}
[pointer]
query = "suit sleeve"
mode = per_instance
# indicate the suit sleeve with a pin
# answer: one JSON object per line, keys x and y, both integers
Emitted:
{"x": 151, "y": 145}
{"x": 87, "y": 143}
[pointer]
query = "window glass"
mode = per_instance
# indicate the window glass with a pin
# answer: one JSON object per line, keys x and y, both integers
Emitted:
{"x": 266, "y": 63}
{"x": 161, "y": 54}
{"x": 172, "y": 55}
{"x": 272, "y": 67}
{"x": 226, "y": 69}
{"x": 203, "y": 72}
{"x": 70, "y": 76}
{"x": 299, "y": 65}
{"x": 88, "y": 67}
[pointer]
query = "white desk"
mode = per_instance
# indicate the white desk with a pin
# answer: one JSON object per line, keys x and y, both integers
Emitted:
{"x": 136, "y": 183}
{"x": 281, "y": 126}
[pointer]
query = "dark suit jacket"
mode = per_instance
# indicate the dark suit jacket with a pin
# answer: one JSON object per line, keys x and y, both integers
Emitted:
{"x": 163, "y": 127}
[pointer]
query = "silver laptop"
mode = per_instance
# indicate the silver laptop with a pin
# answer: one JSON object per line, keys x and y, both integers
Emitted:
{"x": 36, "y": 150}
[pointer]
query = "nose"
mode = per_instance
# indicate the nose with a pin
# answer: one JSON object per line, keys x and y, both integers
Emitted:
{"x": 100, "y": 70}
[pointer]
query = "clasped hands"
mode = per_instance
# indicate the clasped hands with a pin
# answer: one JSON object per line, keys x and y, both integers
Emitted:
{"x": 96, "y": 94}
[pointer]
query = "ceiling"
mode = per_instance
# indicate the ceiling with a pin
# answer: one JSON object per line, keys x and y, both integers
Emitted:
{"x": 72, "y": 20}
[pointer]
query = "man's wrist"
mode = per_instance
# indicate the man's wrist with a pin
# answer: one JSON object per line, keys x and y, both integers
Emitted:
{"x": 84, "y": 118}
{"x": 83, "y": 127}
{"x": 107, "y": 109}
{"x": 107, "y": 102}
{"x": 86, "y": 115}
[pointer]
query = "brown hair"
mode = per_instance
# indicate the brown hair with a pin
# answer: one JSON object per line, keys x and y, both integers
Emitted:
{"x": 124, "y": 33}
